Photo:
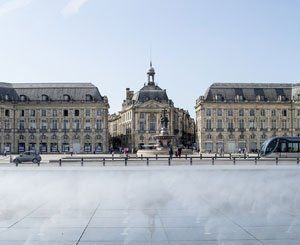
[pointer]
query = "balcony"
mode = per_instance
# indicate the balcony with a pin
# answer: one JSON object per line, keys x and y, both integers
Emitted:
{"x": 252, "y": 129}
{"x": 7, "y": 130}
{"x": 21, "y": 130}
{"x": 76, "y": 130}
{"x": 43, "y": 130}
{"x": 87, "y": 130}
{"x": 32, "y": 130}
{"x": 219, "y": 129}
{"x": 208, "y": 130}
{"x": 54, "y": 130}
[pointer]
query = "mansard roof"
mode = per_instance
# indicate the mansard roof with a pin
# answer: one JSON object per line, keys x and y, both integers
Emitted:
{"x": 52, "y": 91}
{"x": 249, "y": 92}
{"x": 150, "y": 92}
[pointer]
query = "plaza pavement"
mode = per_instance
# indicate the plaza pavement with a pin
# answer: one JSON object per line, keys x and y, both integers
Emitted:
{"x": 199, "y": 204}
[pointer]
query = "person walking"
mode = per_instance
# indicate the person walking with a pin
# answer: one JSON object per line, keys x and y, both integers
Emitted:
{"x": 170, "y": 151}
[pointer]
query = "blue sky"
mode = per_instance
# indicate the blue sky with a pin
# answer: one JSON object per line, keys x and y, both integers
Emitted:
{"x": 194, "y": 43}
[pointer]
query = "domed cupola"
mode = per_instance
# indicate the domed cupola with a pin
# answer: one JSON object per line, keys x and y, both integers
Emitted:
{"x": 151, "y": 74}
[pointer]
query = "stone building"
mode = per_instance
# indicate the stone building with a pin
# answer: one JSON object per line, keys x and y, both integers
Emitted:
{"x": 53, "y": 117}
{"x": 233, "y": 116}
{"x": 139, "y": 121}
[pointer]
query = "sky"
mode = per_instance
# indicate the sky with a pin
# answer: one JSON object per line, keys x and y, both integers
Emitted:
{"x": 192, "y": 44}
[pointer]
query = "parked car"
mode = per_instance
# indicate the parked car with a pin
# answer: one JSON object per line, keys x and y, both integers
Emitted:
{"x": 28, "y": 156}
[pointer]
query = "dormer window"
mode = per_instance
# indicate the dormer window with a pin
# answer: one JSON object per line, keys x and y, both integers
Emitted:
{"x": 218, "y": 97}
{"x": 45, "y": 97}
{"x": 67, "y": 97}
{"x": 239, "y": 97}
{"x": 23, "y": 97}
{"x": 88, "y": 97}
{"x": 6, "y": 97}
{"x": 259, "y": 98}
{"x": 281, "y": 98}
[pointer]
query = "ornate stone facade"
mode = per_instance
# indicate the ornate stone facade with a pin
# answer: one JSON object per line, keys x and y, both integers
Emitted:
{"x": 139, "y": 121}
{"x": 54, "y": 117}
{"x": 233, "y": 116}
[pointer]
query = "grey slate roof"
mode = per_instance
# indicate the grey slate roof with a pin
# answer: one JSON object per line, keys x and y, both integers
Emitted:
{"x": 249, "y": 91}
{"x": 54, "y": 91}
{"x": 150, "y": 92}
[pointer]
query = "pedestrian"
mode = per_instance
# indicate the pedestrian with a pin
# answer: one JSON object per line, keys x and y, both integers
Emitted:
{"x": 170, "y": 151}
{"x": 179, "y": 152}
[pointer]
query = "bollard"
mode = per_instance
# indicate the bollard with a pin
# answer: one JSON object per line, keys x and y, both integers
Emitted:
{"x": 141, "y": 156}
{"x": 191, "y": 161}
{"x": 59, "y": 162}
{"x": 103, "y": 161}
{"x": 276, "y": 160}
{"x": 126, "y": 161}
{"x": 185, "y": 156}
{"x": 147, "y": 161}
{"x": 255, "y": 161}
{"x": 17, "y": 164}
{"x": 82, "y": 161}
{"x": 234, "y": 161}
{"x": 230, "y": 156}
{"x": 212, "y": 161}
{"x": 244, "y": 155}
{"x": 112, "y": 157}
{"x": 38, "y": 163}
{"x": 156, "y": 156}
{"x": 10, "y": 159}
{"x": 215, "y": 155}
{"x": 298, "y": 160}
{"x": 169, "y": 161}
{"x": 200, "y": 156}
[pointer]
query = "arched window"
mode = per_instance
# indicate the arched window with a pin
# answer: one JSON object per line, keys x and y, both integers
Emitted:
{"x": 88, "y": 97}
{"x": 23, "y": 97}
{"x": 67, "y": 97}
{"x": 252, "y": 112}
{"x": 152, "y": 123}
{"x": 45, "y": 97}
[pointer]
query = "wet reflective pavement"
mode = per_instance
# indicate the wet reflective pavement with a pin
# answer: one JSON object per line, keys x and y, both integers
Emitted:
{"x": 180, "y": 205}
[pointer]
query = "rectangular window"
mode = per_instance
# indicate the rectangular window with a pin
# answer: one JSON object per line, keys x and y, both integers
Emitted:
{"x": 208, "y": 124}
{"x": 251, "y": 124}
{"x": 284, "y": 113}
{"x": 87, "y": 112}
{"x": 219, "y": 124}
{"x": 66, "y": 113}
{"x": 208, "y": 112}
{"x": 76, "y": 124}
{"x": 44, "y": 125}
{"x": 230, "y": 113}
{"x": 273, "y": 113}
{"x": 44, "y": 113}
{"x": 98, "y": 124}
{"x": 99, "y": 112}
{"x": 22, "y": 125}
{"x": 273, "y": 124}
{"x": 230, "y": 124}
{"x": 87, "y": 124}
{"x": 219, "y": 112}
{"x": 22, "y": 113}
{"x": 54, "y": 124}
{"x": 32, "y": 113}
{"x": 142, "y": 115}
{"x": 7, "y": 113}
{"x": 32, "y": 124}
{"x": 76, "y": 113}
{"x": 6, "y": 124}
{"x": 142, "y": 126}
{"x": 66, "y": 125}
{"x": 241, "y": 124}
{"x": 54, "y": 113}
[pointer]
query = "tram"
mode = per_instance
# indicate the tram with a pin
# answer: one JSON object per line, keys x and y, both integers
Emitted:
{"x": 281, "y": 147}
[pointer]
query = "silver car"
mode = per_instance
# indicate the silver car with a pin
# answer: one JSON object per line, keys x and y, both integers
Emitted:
{"x": 28, "y": 156}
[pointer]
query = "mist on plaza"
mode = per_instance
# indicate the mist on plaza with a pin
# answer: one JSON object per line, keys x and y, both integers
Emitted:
{"x": 223, "y": 192}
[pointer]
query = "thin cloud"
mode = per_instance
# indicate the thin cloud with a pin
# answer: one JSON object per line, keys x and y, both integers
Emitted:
{"x": 11, "y": 5}
{"x": 73, "y": 7}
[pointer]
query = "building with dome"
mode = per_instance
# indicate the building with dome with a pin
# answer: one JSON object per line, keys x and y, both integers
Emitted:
{"x": 139, "y": 121}
{"x": 53, "y": 117}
